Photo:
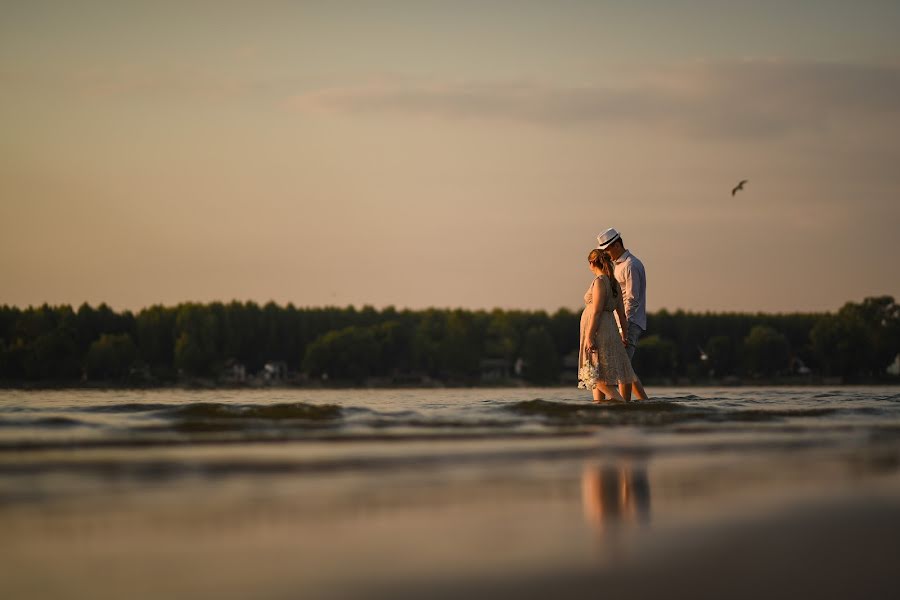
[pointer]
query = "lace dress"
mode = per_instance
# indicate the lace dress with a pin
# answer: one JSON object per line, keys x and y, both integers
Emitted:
{"x": 610, "y": 364}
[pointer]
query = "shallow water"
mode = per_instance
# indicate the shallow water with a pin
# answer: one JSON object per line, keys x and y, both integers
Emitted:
{"x": 355, "y": 493}
{"x": 60, "y": 419}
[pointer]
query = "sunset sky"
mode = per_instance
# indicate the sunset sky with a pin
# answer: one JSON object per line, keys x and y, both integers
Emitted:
{"x": 449, "y": 154}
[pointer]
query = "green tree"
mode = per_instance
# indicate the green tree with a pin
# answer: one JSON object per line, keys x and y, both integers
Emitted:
{"x": 45, "y": 344}
{"x": 563, "y": 326}
{"x": 502, "y": 335}
{"x": 881, "y": 318}
{"x": 541, "y": 359}
{"x": 861, "y": 339}
{"x": 459, "y": 350}
{"x": 12, "y": 346}
{"x": 55, "y": 343}
{"x": 721, "y": 355}
{"x": 349, "y": 354}
{"x": 656, "y": 357}
{"x": 155, "y": 335}
{"x": 766, "y": 351}
{"x": 111, "y": 356}
{"x": 196, "y": 350}
{"x": 52, "y": 356}
{"x": 426, "y": 343}
{"x": 91, "y": 323}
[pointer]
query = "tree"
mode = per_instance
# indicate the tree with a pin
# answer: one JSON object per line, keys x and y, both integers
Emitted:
{"x": 881, "y": 317}
{"x": 861, "y": 339}
{"x": 459, "y": 350}
{"x": 91, "y": 323}
{"x": 721, "y": 355}
{"x": 52, "y": 356}
{"x": 502, "y": 335}
{"x": 426, "y": 343}
{"x": 45, "y": 347}
{"x": 563, "y": 326}
{"x": 111, "y": 357}
{"x": 12, "y": 346}
{"x": 349, "y": 354}
{"x": 57, "y": 343}
{"x": 655, "y": 357}
{"x": 540, "y": 356}
{"x": 766, "y": 351}
{"x": 196, "y": 351}
{"x": 155, "y": 331}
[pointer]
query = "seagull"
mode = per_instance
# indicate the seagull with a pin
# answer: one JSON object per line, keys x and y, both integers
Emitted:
{"x": 739, "y": 186}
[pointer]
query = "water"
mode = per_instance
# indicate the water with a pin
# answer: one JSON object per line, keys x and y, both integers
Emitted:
{"x": 361, "y": 493}
{"x": 82, "y": 419}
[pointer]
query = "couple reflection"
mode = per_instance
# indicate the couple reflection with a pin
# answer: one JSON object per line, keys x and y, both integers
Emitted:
{"x": 615, "y": 494}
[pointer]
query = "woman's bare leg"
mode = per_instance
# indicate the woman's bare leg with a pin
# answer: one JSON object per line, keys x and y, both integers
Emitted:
{"x": 637, "y": 387}
{"x": 608, "y": 391}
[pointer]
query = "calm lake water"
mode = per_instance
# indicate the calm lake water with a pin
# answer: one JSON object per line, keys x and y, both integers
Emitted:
{"x": 518, "y": 492}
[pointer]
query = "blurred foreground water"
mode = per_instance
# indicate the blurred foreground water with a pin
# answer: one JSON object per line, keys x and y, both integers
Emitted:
{"x": 445, "y": 493}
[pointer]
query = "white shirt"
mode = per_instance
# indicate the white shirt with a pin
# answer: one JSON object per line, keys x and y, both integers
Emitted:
{"x": 633, "y": 281}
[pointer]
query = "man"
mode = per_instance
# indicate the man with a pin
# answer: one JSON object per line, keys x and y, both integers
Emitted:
{"x": 633, "y": 281}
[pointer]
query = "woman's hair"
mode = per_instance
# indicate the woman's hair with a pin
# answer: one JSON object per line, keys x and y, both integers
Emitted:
{"x": 602, "y": 261}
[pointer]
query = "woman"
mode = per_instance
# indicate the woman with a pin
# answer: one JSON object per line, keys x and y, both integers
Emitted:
{"x": 603, "y": 362}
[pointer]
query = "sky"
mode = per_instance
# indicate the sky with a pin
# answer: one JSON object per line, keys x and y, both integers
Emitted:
{"x": 448, "y": 154}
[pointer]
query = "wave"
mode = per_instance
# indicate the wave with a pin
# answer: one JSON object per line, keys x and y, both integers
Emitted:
{"x": 631, "y": 413}
{"x": 653, "y": 412}
{"x": 129, "y": 407}
{"x": 221, "y": 410}
{"x": 211, "y": 417}
{"x": 271, "y": 412}
{"x": 49, "y": 422}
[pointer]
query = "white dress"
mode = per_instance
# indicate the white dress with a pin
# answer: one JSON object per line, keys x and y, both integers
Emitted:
{"x": 610, "y": 364}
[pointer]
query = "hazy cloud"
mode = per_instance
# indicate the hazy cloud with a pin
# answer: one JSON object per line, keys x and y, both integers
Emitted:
{"x": 740, "y": 99}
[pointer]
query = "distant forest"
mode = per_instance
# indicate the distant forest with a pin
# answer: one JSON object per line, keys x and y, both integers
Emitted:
{"x": 245, "y": 343}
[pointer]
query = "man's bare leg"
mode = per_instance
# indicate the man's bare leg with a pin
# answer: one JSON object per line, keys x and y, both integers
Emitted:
{"x": 639, "y": 391}
{"x": 625, "y": 391}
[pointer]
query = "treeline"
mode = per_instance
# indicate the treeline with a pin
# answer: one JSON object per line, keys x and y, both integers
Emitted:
{"x": 162, "y": 345}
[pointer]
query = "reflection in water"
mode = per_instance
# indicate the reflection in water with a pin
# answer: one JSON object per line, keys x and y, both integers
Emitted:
{"x": 615, "y": 493}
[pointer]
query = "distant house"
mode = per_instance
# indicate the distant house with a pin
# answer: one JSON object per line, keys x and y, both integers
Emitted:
{"x": 799, "y": 367}
{"x": 894, "y": 367}
{"x": 274, "y": 371}
{"x": 519, "y": 367}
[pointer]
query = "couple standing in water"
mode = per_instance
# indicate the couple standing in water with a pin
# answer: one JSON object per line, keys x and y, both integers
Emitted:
{"x": 605, "y": 351}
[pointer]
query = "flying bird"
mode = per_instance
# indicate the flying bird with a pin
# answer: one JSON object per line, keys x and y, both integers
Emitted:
{"x": 739, "y": 186}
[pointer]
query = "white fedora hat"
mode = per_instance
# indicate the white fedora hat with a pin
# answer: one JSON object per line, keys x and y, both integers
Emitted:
{"x": 605, "y": 239}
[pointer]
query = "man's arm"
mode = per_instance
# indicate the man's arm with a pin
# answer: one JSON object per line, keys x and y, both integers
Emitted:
{"x": 623, "y": 320}
{"x": 628, "y": 275}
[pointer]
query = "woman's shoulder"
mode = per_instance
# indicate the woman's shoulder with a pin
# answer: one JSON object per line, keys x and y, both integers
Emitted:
{"x": 601, "y": 281}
